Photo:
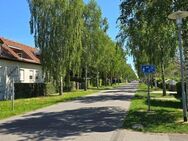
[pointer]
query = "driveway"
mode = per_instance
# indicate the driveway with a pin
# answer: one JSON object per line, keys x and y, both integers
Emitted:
{"x": 97, "y": 117}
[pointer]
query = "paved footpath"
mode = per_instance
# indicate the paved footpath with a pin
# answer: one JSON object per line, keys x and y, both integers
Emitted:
{"x": 97, "y": 117}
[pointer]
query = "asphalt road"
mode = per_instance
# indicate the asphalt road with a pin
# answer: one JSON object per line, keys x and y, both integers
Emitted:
{"x": 97, "y": 117}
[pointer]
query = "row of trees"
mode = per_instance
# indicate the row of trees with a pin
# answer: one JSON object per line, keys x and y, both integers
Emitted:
{"x": 149, "y": 35}
{"x": 74, "y": 44}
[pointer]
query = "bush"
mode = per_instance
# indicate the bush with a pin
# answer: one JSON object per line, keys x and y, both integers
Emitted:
{"x": 50, "y": 89}
{"x": 73, "y": 86}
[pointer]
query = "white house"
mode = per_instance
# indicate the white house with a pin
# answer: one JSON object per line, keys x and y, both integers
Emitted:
{"x": 18, "y": 64}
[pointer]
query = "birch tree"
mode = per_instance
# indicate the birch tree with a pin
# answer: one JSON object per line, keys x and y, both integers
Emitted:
{"x": 150, "y": 31}
{"x": 57, "y": 28}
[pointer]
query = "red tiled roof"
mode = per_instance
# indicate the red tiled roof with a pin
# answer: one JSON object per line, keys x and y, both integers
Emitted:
{"x": 29, "y": 51}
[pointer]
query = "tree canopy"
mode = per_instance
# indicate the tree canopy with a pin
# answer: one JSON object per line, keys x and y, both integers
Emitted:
{"x": 72, "y": 37}
{"x": 148, "y": 33}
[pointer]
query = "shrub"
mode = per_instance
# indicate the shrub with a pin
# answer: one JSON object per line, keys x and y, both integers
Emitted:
{"x": 50, "y": 89}
{"x": 71, "y": 87}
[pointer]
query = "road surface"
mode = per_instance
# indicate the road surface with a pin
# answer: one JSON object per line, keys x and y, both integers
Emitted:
{"x": 97, "y": 117}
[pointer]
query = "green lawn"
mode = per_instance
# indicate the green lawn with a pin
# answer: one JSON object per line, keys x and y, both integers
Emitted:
{"x": 26, "y": 105}
{"x": 165, "y": 115}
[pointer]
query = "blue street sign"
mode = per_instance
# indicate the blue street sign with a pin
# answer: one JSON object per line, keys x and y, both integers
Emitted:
{"x": 148, "y": 68}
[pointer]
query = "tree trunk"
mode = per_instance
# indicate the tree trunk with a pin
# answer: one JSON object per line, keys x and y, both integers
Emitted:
{"x": 85, "y": 88}
{"x": 61, "y": 87}
{"x": 163, "y": 78}
{"x": 151, "y": 81}
{"x": 106, "y": 80}
{"x": 97, "y": 79}
{"x": 111, "y": 81}
{"x": 185, "y": 44}
{"x": 68, "y": 82}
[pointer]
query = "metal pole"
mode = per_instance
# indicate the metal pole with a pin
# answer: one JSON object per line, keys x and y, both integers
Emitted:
{"x": 85, "y": 77}
{"x": 148, "y": 97}
{"x": 182, "y": 76}
{"x": 13, "y": 95}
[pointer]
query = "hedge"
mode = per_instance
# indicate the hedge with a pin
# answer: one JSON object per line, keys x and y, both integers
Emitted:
{"x": 28, "y": 90}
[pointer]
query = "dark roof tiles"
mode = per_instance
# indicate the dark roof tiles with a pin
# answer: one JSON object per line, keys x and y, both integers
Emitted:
{"x": 29, "y": 51}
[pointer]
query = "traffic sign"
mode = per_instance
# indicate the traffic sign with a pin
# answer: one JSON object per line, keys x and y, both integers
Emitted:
{"x": 148, "y": 68}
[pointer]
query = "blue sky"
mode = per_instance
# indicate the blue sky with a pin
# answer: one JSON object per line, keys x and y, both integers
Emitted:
{"x": 14, "y": 20}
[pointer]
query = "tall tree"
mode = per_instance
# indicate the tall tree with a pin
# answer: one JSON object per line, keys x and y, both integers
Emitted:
{"x": 92, "y": 39}
{"x": 92, "y": 16}
{"x": 57, "y": 27}
{"x": 147, "y": 29}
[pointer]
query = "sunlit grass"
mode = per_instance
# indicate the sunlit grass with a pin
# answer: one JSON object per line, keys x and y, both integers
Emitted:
{"x": 165, "y": 115}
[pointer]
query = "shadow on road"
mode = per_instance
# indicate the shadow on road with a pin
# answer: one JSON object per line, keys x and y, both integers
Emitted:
{"x": 122, "y": 94}
{"x": 104, "y": 98}
{"x": 120, "y": 91}
{"x": 65, "y": 124}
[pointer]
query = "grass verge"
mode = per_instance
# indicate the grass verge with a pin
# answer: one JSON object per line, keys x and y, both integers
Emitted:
{"x": 165, "y": 115}
{"x": 27, "y": 105}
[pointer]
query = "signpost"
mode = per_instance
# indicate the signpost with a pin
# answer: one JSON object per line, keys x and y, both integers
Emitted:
{"x": 147, "y": 70}
{"x": 13, "y": 94}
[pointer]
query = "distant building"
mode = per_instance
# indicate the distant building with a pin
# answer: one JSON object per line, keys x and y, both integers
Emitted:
{"x": 18, "y": 63}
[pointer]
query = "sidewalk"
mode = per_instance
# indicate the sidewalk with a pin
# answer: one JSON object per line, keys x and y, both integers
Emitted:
{"x": 160, "y": 92}
{"x": 139, "y": 136}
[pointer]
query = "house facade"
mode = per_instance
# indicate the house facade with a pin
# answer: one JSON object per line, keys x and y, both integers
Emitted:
{"x": 18, "y": 64}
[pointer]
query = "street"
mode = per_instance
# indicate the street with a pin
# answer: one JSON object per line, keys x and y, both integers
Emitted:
{"x": 95, "y": 117}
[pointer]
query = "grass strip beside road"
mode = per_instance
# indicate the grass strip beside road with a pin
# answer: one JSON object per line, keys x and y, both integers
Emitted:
{"x": 26, "y": 105}
{"x": 165, "y": 115}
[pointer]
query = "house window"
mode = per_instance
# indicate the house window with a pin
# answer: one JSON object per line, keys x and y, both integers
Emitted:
{"x": 31, "y": 75}
{"x": 21, "y": 75}
{"x": 37, "y": 75}
{"x": 20, "y": 55}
